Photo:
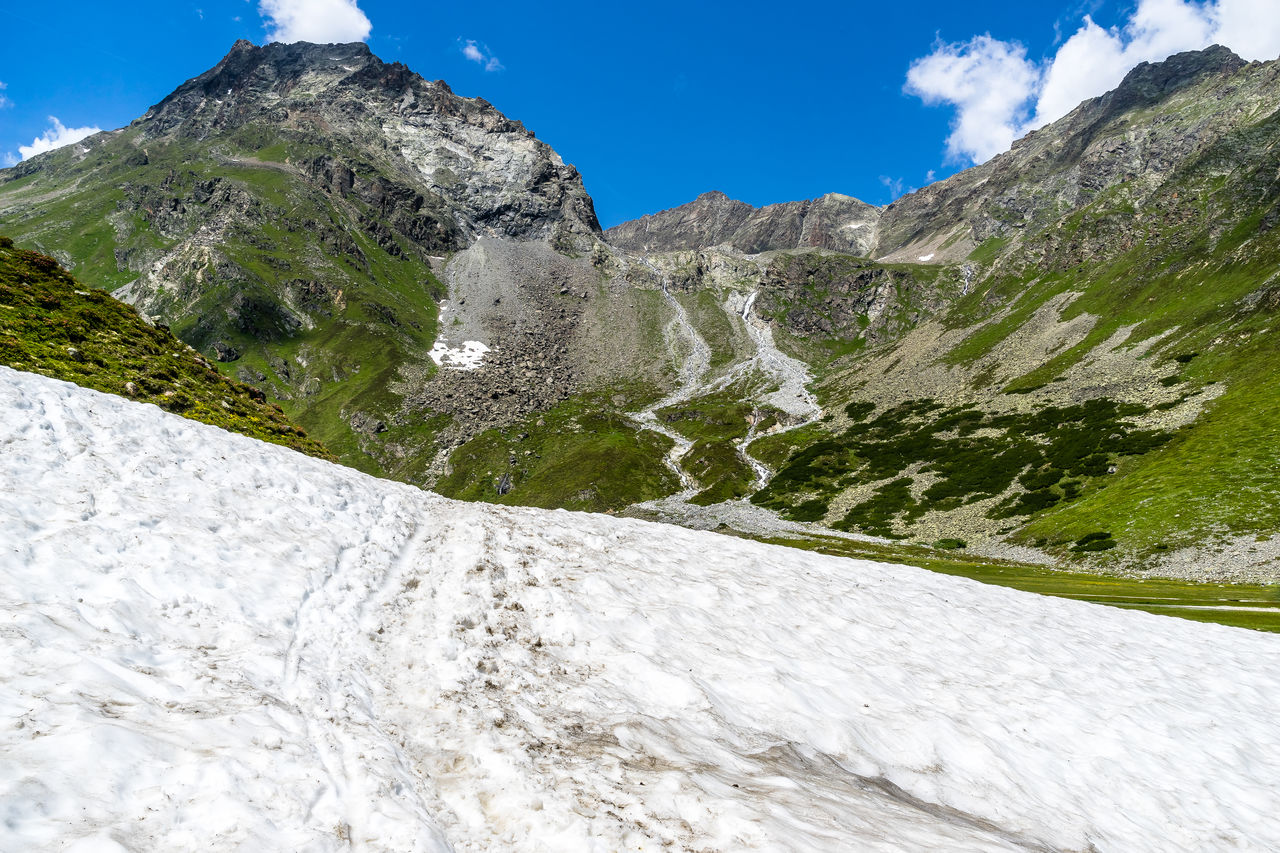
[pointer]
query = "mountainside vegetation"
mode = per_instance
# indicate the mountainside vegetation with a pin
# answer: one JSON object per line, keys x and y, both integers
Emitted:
{"x": 1065, "y": 354}
{"x": 1150, "y": 298}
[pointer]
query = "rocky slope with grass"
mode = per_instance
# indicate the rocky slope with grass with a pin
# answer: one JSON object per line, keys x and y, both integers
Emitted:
{"x": 1063, "y": 355}
{"x": 1124, "y": 302}
{"x": 340, "y": 232}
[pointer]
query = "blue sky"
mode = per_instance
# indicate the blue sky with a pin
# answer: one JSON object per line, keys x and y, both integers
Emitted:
{"x": 658, "y": 102}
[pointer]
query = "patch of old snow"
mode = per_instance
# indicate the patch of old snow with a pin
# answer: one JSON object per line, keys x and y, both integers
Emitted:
{"x": 469, "y": 356}
{"x": 925, "y": 258}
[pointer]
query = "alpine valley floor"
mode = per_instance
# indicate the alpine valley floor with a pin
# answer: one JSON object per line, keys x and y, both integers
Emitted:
{"x": 213, "y": 643}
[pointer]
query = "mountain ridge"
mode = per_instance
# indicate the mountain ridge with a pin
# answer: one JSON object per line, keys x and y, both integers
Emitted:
{"x": 424, "y": 286}
{"x": 289, "y": 213}
{"x": 831, "y": 221}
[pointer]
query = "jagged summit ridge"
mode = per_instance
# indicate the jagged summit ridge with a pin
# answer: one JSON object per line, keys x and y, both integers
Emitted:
{"x": 492, "y": 174}
{"x": 1150, "y": 82}
{"x": 1101, "y": 144}
{"x": 977, "y": 204}
{"x": 833, "y": 221}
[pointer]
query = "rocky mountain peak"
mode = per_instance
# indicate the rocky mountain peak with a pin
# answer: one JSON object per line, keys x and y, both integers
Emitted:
{"x": 1150, "y": 82}
{"x": 479, "y": 172}
{"x": 274, "y": 67}
{"x": 832, "y": 221}
{"x": 1105, "y": 142}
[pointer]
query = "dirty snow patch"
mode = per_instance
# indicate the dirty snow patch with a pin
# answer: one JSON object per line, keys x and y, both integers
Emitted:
{"x": 210, "y": 643}
{"x": 925, "y": 258}
{"x": 469, "y": 356}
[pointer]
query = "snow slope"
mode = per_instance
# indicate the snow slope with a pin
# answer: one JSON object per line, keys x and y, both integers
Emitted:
{"x": 211, "y": 643}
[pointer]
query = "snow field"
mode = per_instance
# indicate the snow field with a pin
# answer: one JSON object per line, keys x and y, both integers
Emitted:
{"x": 211, "y": 643}
{"x": 468, "y": 356}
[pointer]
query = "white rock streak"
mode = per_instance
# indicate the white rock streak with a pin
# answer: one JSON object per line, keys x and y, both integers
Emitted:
{"x": 210, "y": 643}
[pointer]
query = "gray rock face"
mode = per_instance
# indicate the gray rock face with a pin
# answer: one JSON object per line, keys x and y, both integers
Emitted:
{"x": 466, "y": 170}
{"x": 709, "y": 220}
{"x": 837, "y": 222}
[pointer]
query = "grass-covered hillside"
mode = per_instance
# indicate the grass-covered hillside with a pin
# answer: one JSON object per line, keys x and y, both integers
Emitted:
{"x": 1104, "y": 388}
{"x": 53, "y": 325}
{"x": 267, "y": 275}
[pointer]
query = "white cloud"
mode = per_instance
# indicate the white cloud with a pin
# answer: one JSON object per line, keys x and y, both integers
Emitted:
{"x": 56, "y": 136}
{"x": 989, "y": 81}
{"x": 894, "y": 185}
{"x": 481, "y": 55}
{"x": 4, "y": 102}
{"x": 10, "y": 160}
{"x": 1249, "y": 27}
{"x": 1000, "y": 95}
{"x": 320, "y": 21}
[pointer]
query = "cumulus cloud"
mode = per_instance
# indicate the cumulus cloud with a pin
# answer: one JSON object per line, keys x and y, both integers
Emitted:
{"x": 56, "y": 136}
{"x": 320, "y": 21}
{"x": 999, "y": 94}
{"x": 480, "y": 54}
{"x": 988, "y": 80}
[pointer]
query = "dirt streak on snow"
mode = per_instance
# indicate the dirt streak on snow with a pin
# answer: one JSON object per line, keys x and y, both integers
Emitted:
{"x": 211, "y": 643}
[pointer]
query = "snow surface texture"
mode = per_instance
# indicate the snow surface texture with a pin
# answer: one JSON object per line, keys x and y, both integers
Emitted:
{"x": 211, "y": 643}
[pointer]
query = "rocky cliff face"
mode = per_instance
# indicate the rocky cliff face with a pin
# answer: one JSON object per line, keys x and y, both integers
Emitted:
{"x": 834, "y": 221}
{"x": 455, "y": 161}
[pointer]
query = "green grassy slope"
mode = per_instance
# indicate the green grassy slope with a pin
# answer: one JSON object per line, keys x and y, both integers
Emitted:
{"x": 580, "y": 455}
{"x": 50, "y": 325}
{"x": 1239, "y": 605}
{"x": 1185, "y": 275}
{"x": 320, "y": 304}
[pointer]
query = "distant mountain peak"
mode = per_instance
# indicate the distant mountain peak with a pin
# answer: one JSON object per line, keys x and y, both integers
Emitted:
{"x": 832, "y": 221}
